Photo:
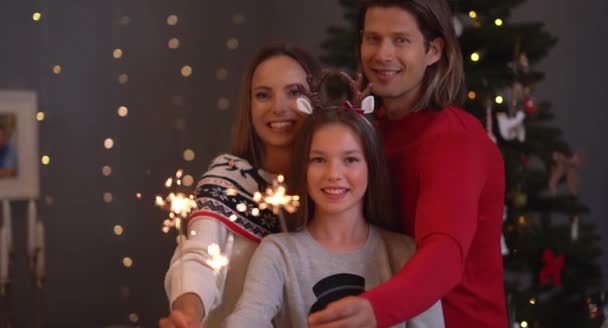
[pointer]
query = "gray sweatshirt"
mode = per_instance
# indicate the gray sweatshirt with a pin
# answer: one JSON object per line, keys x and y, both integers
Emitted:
{"x": 291, "y": 275}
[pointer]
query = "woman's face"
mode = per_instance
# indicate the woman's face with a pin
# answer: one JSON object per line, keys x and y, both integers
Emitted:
{"x": 274, "y": 90}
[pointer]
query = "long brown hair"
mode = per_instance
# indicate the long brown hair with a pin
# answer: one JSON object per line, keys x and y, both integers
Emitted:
{"x": 443, "y": 82}
{"x": 245, "y": 141}
{"x": 377, "y": 203}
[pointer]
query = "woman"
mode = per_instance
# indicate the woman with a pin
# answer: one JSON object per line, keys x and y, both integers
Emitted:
{"x": 266, "y": 124}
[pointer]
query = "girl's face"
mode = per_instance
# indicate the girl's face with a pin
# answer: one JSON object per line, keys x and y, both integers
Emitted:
{"x": 337, "y": 172}
{"x": 274, "y": 92}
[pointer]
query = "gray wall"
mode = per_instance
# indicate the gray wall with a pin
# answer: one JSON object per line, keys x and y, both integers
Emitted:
{"x": 86, "y": 281}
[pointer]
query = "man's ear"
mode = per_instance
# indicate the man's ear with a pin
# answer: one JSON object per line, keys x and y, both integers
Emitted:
{"x": 435, "y": 51}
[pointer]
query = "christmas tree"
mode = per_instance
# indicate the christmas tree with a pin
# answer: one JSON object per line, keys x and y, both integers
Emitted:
{"x": 550, "y": 250}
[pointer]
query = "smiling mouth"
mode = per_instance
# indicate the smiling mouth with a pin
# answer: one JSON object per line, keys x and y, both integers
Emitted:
{"x": 281, "y": 125}
{"x": 384, "y": 74}
{"x": 334, "y": 191}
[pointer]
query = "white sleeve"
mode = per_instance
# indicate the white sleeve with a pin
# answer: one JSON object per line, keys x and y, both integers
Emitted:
{"x": 188, "y": 271}
{"x": 262, "y": 296}
{"x": 431, "y": 318}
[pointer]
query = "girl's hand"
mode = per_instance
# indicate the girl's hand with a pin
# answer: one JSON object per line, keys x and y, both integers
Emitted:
{"x": 349, "y": 312}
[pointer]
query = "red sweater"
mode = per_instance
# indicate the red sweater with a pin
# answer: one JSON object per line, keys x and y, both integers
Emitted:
{"x": 449, "y": 182}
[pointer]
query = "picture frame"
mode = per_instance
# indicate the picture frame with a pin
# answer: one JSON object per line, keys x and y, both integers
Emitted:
{"x": 19, "y": 161}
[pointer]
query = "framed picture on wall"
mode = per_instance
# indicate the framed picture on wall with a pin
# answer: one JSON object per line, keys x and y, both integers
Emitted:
{"x": 19, "y": 176}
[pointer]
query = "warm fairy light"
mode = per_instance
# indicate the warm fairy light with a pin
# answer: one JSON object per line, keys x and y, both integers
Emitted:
{"x": 106, "y": 170}
{"x": 233, "y": 217}
{"x": 188, "y": 180}
{"x": 36, "y": 16}
{"x": 238, "y": 19}
{"x": 107, "y": 197}
{"x": 232, "y": 43}
{"x": 123, "y": 78}
{"x": 498, "y": 22}
{"x": 57, "y": 69}
{"x": 118, "y": 230}
{"x": 475, "y": 56}
{"x": 276, "y": 197}
{"x": 133, "y": 317}
{"x": 221, "y": 74}
{"x": 173, "y": 43}
{"x": 471, "y": 95}
{"x": 40, "y": 116}
{"x": 178, "y": 204}
{"x": 172, "y": 20}
{"x": 532, "y": 301}
{"x": 223, "y": 103}
{"x": 117, "y": 53}
{"x": 498, "y": 99}
{"x": 217, "y": 260}
{"x": 521, "y": 220}
{"x": 127, "y": 262}
{"x": 123, "y": 111}
{"x": 523, "y": 324}
{"x": 46, "y": 160}
{"x": 472, "y": 14}
{"x": 231, "y": 192}
{"x": 193, "y": 232}
{"x": 108, "y": 143}
{"x": 186, "y": 71}
{"x": 255, "y": 211}
{"x": 189, "y": 155}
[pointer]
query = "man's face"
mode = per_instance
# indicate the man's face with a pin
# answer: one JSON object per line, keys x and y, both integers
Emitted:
{"x": 394, "y": 54}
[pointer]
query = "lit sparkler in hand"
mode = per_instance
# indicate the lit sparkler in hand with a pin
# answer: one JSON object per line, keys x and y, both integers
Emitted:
{"x": 276, "y": 199}
{"x": 178, "y": 204}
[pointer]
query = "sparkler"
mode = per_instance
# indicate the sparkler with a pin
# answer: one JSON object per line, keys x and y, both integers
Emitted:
{"x": 276, "y": 198}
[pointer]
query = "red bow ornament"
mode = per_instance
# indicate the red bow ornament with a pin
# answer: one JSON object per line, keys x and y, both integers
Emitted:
{"x": 552, "y": 268}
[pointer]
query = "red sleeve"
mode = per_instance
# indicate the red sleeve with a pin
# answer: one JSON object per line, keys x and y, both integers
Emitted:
{"x": 451, "y": 177}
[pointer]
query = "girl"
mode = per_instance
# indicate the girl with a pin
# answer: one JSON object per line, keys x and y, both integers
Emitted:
{"x": 266, "y": 124}
{"x": 340, "y": 248}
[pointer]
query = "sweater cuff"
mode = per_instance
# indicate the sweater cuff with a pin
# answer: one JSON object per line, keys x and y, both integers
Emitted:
{"x": 376, "y": 299}
{"x": 197, "y": 279}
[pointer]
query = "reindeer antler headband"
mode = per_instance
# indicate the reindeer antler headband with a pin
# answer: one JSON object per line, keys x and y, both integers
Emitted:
{"x": 362, "y": 102}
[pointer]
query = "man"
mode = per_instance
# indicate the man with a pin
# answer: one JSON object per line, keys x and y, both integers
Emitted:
{"x": 448, "y": 176}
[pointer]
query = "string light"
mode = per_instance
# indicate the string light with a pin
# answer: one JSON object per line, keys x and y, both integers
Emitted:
{"x": 117, "y": 53}
{"x": 46, "y": 160}
{"x": 475, "y": 56}
{"x": 108, "y": 143}
{"x": 523, "y": 324}
{"x": 118, "y": 230}
{"x": 472, "y": 14}
{"x": 471, "y": 95}
{"x": 40, "y": 116}
{"x": 138, "y": 195}
{"x": 133, "y": 317}
{"x": 532, "y": 301}
{"x": 127, "y": 262}
{"x": 172, "y": 20}
{"x": 122, "y": 111}
{"x": 188, "y": 180}
{"x": 189, "y": 155}
{"x": 57, "y": 69}
{"x": 107, "y": 197}
{"x": 223, "y": 103}
{"x": 499, "y": 99}
{"x": 498, "y": 22}
{"x": 106, "y": 170}
{"x": 238, "y": 19}
{"x": 232, "y": 43}
{"x": 37, "y": 16}
{"x": 186, "y": 71}
{"x": 221, "y": 74}
{"x": 123, "y": 78}
{"x": 173, "y": 43}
